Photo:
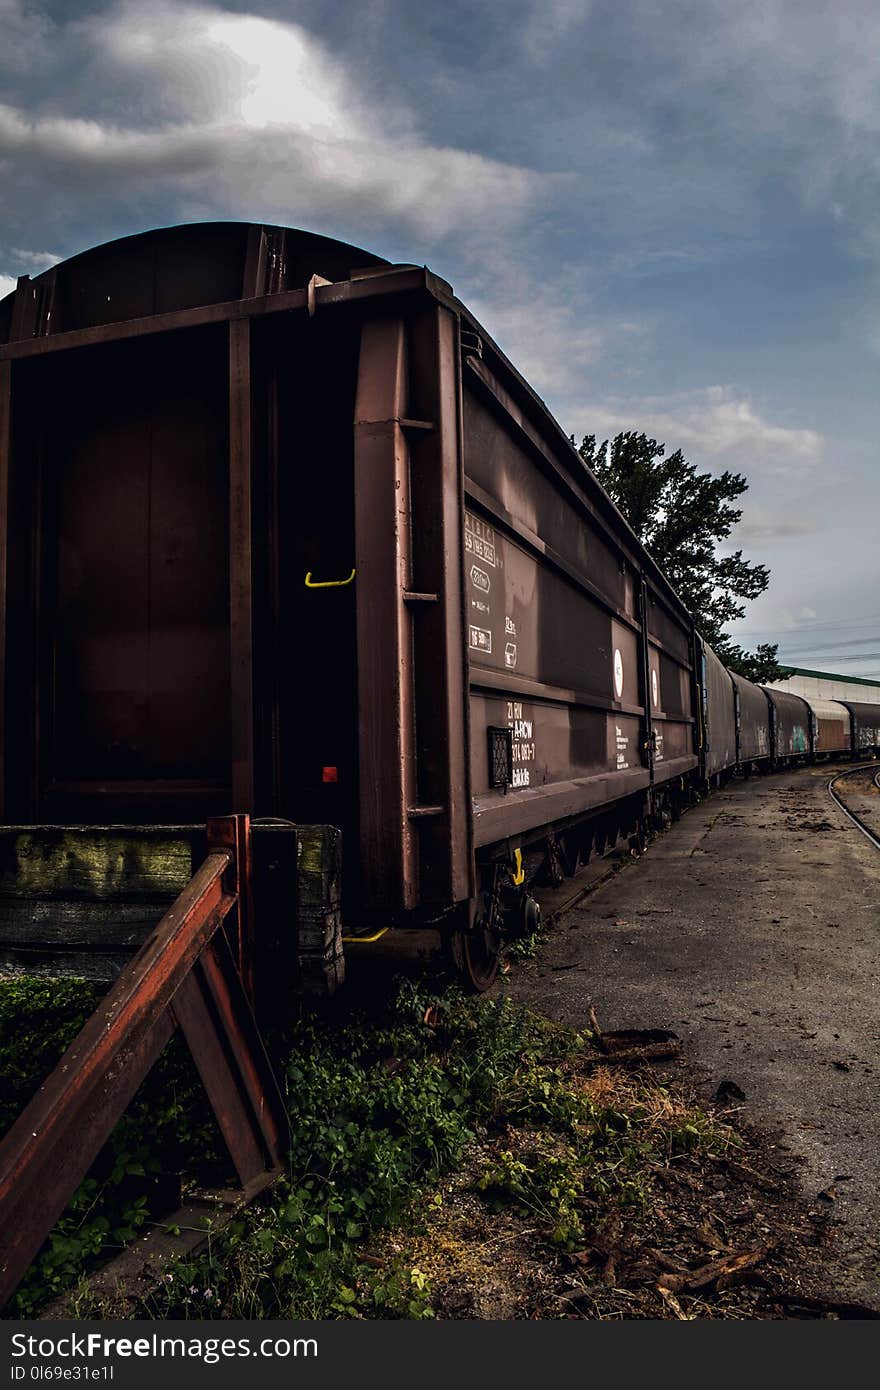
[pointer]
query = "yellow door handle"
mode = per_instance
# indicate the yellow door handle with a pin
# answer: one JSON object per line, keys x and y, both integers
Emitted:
{"x": 520, "y": 875}
{"x": 328, "y": 583}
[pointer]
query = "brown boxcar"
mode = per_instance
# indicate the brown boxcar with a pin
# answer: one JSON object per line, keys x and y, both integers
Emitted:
{"x": 790, "y": 725}
{"x": 718, "y": 714}
{"x": 865, "y": 726}
{"x": 832, "y": 731}
{"x": 752, "y": 722}
{"x": 287, "y": 533}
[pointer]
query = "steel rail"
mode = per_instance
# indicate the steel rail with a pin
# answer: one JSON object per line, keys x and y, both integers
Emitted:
{"x": 857, "y": 821}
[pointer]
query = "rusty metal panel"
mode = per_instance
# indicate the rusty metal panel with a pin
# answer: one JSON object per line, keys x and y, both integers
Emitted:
{"x": 120, "y": 603}
{"x": 554, "y": 633}
{"x": 831, "y": 726}
{"x": 753, "y": 721}
{"x": 574, "y": 706}
{"x": 719, "y": 714}
{"x": 383, "y": 564}
{"x": 670, "y": 686}
{"x": 502, "y": 460}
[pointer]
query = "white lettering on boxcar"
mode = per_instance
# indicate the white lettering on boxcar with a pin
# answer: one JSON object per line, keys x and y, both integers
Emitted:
{"x": 481, "y": 639}
{"x": 523, "y": 731}
{"x": 622, "y": 748}
{"x": 480, "y": 579}
{"x": 479, "y": 539}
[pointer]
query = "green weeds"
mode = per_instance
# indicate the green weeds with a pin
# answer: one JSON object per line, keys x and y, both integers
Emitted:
{"x": 383, "y": 1101}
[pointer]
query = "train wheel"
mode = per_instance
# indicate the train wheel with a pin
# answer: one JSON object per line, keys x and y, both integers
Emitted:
{"x": 476, "y": 945}
{"x": 476, "y": 956}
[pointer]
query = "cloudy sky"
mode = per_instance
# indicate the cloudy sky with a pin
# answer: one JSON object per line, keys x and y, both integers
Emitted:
{"x": 665, "y": 210}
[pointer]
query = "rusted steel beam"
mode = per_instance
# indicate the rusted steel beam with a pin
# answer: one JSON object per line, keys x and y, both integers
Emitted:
{"x": 233, "y": 833}
{"x": 241, "y": 566}
{"x": 383, "y": 550}
{"x": 235, "y": 310}
{"x": 192, "y": 1011}
{"x": 439, "y": 630}
{"x": 225, "y": 1044}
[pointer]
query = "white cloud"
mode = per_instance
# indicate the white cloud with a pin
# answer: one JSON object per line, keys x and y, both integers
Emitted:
{"x": 33, "y": 261}
{"x": 715, "y": 425}
{"x": 544, "y": 328}
{"x": 762, "y": 524}
{"x": 7, "y": 285}
{"x": 242, "y": 113}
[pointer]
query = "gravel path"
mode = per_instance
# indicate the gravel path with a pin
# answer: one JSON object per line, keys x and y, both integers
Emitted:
{"x": 753, "y": 930}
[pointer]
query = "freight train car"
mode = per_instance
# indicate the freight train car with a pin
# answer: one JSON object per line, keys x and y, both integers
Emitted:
{"x": 865, "y": 728}
{"x": 717, "y": 715}
{"x": 284, "y": 532}
{"x": 790, "y": 727}
{"x": 752, "y": 714}
{"x": 831, "y": 727}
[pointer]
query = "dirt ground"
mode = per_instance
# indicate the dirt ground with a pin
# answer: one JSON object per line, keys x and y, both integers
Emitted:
{"x": 751, "y": 930}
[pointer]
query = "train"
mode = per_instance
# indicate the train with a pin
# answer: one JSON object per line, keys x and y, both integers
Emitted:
{"x": 284, "y": 533}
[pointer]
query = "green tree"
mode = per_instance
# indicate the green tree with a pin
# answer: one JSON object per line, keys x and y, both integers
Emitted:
{"x": 681, "y": 517}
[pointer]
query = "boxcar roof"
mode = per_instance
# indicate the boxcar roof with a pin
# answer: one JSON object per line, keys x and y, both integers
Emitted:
{"x": 827, "y": 709}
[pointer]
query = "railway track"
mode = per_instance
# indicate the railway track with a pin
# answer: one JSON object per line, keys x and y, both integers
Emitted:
{"x": 862, "y": 782}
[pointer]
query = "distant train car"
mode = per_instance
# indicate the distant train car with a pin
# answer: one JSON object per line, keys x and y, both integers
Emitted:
{"x": 790, "y": 726}
{"x": 718, "y": 714}
{"x": 832, "y": 727}
{"x": 865, "y": 728}
{"x": 752, "y": 714}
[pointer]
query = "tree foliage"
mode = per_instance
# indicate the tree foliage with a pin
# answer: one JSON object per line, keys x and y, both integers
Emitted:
{"x": 682, "y": 517}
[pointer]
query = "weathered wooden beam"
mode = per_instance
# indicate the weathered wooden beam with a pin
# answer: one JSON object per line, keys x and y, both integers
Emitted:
{"x": 73, "y": 925}
{"x": 81, "y": 900}
{"x": 56, "y": 963}
{"x": 97, "y": 863}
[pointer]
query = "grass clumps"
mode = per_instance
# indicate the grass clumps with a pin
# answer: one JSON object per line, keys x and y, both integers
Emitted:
{"x": 389, "y": 1104}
